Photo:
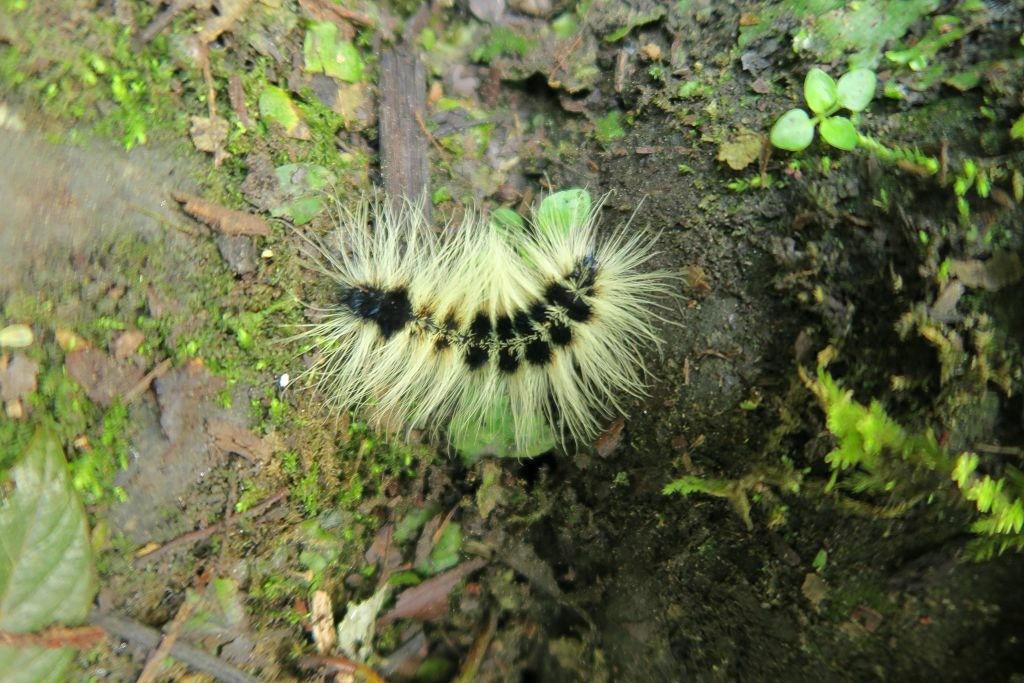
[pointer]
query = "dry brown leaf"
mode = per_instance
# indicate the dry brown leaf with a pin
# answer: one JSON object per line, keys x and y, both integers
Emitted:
{"x": 741, "y": 151}
{"x": 236, "y": 95}
{"x": 384, "y": 550}
{"x": 209, "y": 133}
{"x": 102, "y": 377}
{"x": 231, "y": 438}
{"x": 17, "y": 377}
{"x": 429, "y": 600}
{"x": 127, "y": 343}
{"x": 609, "y": 441}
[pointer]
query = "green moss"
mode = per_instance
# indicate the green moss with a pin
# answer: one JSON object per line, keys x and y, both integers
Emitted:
{"x": 608, "y": 128}
{"x": 502, "y": 41}
{"x": 83, "y": 75}
{"x": 877, "y": 455}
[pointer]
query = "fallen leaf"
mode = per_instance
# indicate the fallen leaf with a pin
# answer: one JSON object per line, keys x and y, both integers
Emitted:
{"x": 127, "y": 343}
{"x": 356, "y": 630}
{"x": 69, "y": 341}
{"x": 491, "y": 492}
{"x": 209, "y": 135}
{"x": 609, "y": 441}
{"x": 228, "y": 12}
{"x": 102, "y": 377}
{"x": 236, "y": 94}
{"x": 815, "y": 589}
{"x": 429, "y": 600}
{"x": 17, "y": 377}
{"x": 231, "y": 438}
{"x": 384, "y": 549}
{"x": 741, "y": 151}
{"x": 276, "y": 106}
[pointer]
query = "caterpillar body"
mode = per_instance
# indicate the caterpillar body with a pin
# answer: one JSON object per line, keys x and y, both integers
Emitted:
{"x": 527, "y": 324}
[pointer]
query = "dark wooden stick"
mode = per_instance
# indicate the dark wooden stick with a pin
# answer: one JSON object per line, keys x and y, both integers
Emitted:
{"x": 148, "y": 638}
{"x": 403, "y": 146}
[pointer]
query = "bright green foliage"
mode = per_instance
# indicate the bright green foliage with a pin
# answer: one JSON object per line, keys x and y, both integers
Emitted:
{"x": 563, "y": 210}
{"x": 998, "y": 500}
{"x": 446, "y": 552}
{"x": 496, "y": 435}
{"x": 945, "y": 30}
{"x": 688, "y": 484}
{"x": 899, "y": 155}
{"x": 276, "y": 105}
{"x": 46, "y": 574}
{"x": 609, "y": 127}
{"x": 502, "y": 41}
{"x": 1017, "y": 129}
{"x": 304, "y": 187}
{"x": 738, "y": 492}
{"x": 794, "y": 130}
{"x": 832, "y": 30}
{"x": 874, "y": 444}
{"x": 93, "y": 472}
{"x": 863, "y": 432}
{"x": 324, "y": 53}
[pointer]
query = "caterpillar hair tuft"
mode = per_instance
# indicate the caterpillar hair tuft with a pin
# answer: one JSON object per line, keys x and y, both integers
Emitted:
{"x": 535, "y": 322}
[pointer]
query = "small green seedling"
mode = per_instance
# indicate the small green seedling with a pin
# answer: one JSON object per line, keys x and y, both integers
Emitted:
{"x": 794, "y": 130}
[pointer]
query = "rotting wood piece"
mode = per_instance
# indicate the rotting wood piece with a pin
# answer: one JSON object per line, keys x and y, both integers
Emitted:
{"x": 403, "y": 146}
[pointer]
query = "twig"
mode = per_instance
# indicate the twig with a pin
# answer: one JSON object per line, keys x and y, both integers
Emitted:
{"x": 162, "y": 20}
{"x": 339, "y": 664}
{"x": 78, "y": 637}
{"x": 440, "y": 150}
{"x": 157, "y": 656}
{"x": 471, "y": 665}
{"x": 146, "y": 637}
{"x": 140, "y": 387}
{"x": 208, "y": 531}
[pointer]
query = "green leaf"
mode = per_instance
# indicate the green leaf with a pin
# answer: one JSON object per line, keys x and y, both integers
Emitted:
{"x": 507, "y": 220}
{"x": 277, "y": 107}
{"x": 1017, "y": 129}
{"x": 856, "y": 89}
{"x": 562, "y": 211}
{"x": 793, "y": 131}
{"x": 303, "y": 186}
{"x": 493, "y": 432}
{"x": 446, "y": 552}
{"x": 688, "y": 484}
{"x": 324, "y": 53}
{"x": 839, "y": 132}
{"x": 820, "y": 91}
{"x": 46, "y": 574}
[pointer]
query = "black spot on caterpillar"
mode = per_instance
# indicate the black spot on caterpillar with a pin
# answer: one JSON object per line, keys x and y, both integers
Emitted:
{"x": 388, "y": 308}
{"x": 538, "y": 321}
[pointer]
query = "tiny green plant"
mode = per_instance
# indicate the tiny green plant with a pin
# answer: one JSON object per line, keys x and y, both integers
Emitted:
{"x": 794, "y": 130}
{"x": 876, "y": 454}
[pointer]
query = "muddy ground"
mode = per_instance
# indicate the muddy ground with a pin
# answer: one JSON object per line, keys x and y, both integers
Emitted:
{"x": 211, "y": 485}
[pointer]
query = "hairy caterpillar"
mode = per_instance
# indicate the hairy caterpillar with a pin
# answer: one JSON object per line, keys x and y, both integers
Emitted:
{"x": 533, "y": 327}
